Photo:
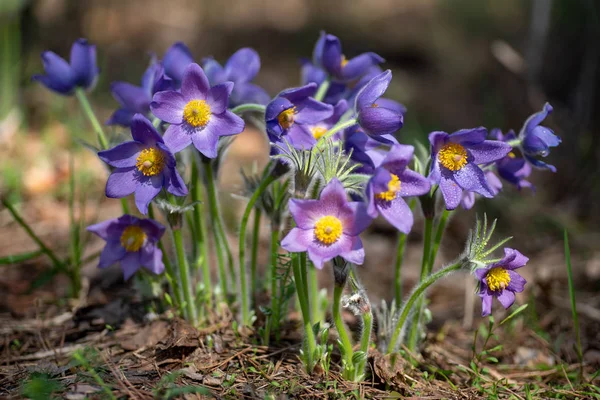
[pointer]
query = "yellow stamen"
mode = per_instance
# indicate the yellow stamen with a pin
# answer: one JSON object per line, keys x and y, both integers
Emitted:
{"x": 318, "y": 132}
{"x": 151, "y": 161}
{"x": 344, "y": 61}
{"x": 453, "y": 156}
{"x": 328, "y": 230}
{"x": 133, "y": 238}
{"x": 497, "y": 278}
{"x": 511, "y": 155}
{"x": 393, "y": 188}
{"x": 197, "y": 113}
{"x": 286, "y": 118}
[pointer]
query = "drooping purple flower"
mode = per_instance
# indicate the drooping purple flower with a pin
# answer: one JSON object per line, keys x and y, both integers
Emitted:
{"x": 136, "y": 99}
{"x": 177, "y": 58}
{"x": 536, "y": 140}
{"x": 241, "y": 68}
{"x": 63, "y": 77}
{"x": 328, "y": 55}
{"x": 290, "y": 115}
{"x": 198, "y": 113}
{"x": 390, "y": 183}
{"x": 468, "y": 198}
{"x": 500, "y": 280}
{"x": 142, "y": 166}
{"x": 328, "y": 227}
{"x": 132, "y": 242}
{"x": 454, "y": 162}
{"x": 373, "y": 117}
{"x": 512, "y": 168}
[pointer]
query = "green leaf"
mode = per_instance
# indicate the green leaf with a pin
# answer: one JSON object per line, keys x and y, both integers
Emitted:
{"x": 19, "y": 258}
{"x": 514, "y": 313}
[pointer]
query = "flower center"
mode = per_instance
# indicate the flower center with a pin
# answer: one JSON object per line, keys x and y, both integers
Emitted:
{"x": 393, "y": 188}
{"x": 497, "y": 279}
{"x": 197, "y": 113}
{"x": 133, "y": 238}
{"x": 151, "y": 161}
{"x": 318, "y": 132}
{"x": 344, "y": 61}
{"x": 328, "y": 229}
{"x": 511, "y": 155}
{"x": 453, "y": 156}
{"x": 286, "y": 118}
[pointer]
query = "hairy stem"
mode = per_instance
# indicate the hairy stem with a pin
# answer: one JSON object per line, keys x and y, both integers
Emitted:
{"x": 310, "y": 342}
{"x": 348, "y": 372}
{"x": 87, "y": 109}
{"x": 254, "y": 255}
{"x": 201, "y": 239}
{"x": 250, "y": 107}
{"x": 365, "y": 340}
{"x": 322, "y": 91}
{"x": 184, "y": 274}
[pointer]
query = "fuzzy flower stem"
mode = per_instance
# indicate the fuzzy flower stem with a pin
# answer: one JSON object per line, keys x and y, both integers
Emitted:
{"x": 250, "y": 107}
{"x": 254, "y": 255}
{"x": 414, "y": 331}
{"x": 338, "y": 127}
{"x": 322, "y": 91}
{"x": 514, "y": 143}
{"x": 365, "y": 340}
{"x": 215, "y": 216}
{"x": 274, "y": 317}
{"x": 407, "y": 306}
{"x": 313, "y": 292}
{"x": 200, "y": 228}
{"x": 303, "y": 300}
{"x": 242, "y": 250}
{"x": 87, "y": 109}
{"x": 348, "y": 372}
{"x": 184, "y": 274}
{"x": 402, "y": 239}
{"x": 439, "y": 234}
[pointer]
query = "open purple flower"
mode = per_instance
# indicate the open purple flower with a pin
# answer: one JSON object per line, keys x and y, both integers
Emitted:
{"x": 177, "y": 58}
{"x": 391, "y": 182}
{"x": 63, "y": 77}
{"x": 241, "y": 68}
{"x": 143, "y": 166}
{"x": 454, "y": 162}
{"x": 136, "y": 99}
{"x": 328, "y": 227}
{"x": 536, "y": 140}
{"x": 291, "y": 114}
{"x": 328, "y": 54}
{"x": 375, "y": 118}
{"x": 132, "y": 242}
{"x": 501, "y": 281}
{"x": 512, "y": 168}
{"x": 198, "y": 114}
{"x": 468, "y": 198}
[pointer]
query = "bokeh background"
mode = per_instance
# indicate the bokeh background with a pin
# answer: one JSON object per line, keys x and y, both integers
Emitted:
{"x": 456, "y": 64}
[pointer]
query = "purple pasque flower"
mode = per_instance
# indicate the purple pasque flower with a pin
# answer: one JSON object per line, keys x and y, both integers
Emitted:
{"x": 365, "y": 150}
{"x": 290, "y": 115}
{"x": 63, "y": 77}
{"x": 536, "y": 140}
{"x": 328, "y": 55}
{"x": 512, "y": 168}
{"x": 136, "y": 99}
{"x": 143, "y": 166}
{"x": 311, "y": 73}
{"x": 373, "y": 117}
{"x": 177, "y": 58}
{"x": 198, "y": 113}
{"x": 500, "y": 280}
{"x": 132, "y": 242}
{"x": 391, "y": 182}
{"x": 241, "y": 68}
{"x": 320, "y": 128}
{"x": 468, "y": 198}
{"x": 328, "y": 227}
{"x": 454, "y": 162}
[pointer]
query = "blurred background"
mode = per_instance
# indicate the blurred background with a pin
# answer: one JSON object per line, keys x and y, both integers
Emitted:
{"x": 456, "y": 64}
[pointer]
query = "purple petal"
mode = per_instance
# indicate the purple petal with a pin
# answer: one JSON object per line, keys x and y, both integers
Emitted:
{"x": 413, "y": 184}
{"x": 123, "y": 155}
{"x": 133, "y": 98}
{"x": 506, "y": 298}
{"x": 176, "y": 60}
{"x": 471, "y": 178}
{"x": 206, "y": 141}
{"x": 83, "y": 62}
{"x": 225, "y": 124}
{"x": 297, "y": 240}
{"x": 218, "y": 97}
{"x": 481, "y": 273}
{"x": 120, "y": 117}
{"x": 177, "y": 138}
{"x": 195, "y": 84}
{"x": 331, "y": 55}
{"x": 300, "y": 137}
{"x": 354, "y": 218}
{"x": 391, "y": 105}
{"x": 333, "y": 197}
{"x": 130, "y": 264}
{"x": 311, "y": 111}
{"x": 121, "y": 183}
{"x": 111, "y": 253}
{"x": 306, "y": 212}
{"x": 451, "y": 192}
{"x": 143, "y": 131}
{"x": 397, "y": 213}
{"x": 248, "y": 93}
{"x": 214, "y": 71}
{"x": 168, "y": 106}
{"x": 517, "y": 282}
{"x": 437, "y": 139}
{"x": 243, "y": 65}
{"x": 174, "y": 182}
{"x": 146, "y": 190}
{"x": 373, "y": 90}
{"x": 356, "y": 254}
{"x": 486, "y": 305}
{"x": 398, "y": 158}
{"x": 59, "y": 74}
{"x": 295, "y": 95}
{"x": 106, "y": 229}
{"x": 153, "y": 229}
{"x": 468, "y": 200}
{"x": 468, "y": 137}
{"x": 535, "y": 119}
{"x": 513, "y": 259}
{"x": 320, "y": 254}
{"x": 151, "y": 259}
{"x": 379, "y": 121}
{"x": 358, "y": 65}
{"x": 489, "y": 151}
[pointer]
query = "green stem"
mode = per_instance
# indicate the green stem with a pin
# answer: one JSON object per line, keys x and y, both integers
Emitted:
{"x": 250, "y": 107}
{"x": 45, "y": 249}
{"x": 254, "y": 255}
{"x": 402, "y": 237}
{"x": 304, "y": 307}
{"x": 406, "y": 308}
{"x": 322, "y": 91}
{"x": 338, "y": 127}
{"x": 313, "y": 294}
{"x": 348, "y": 372}
{"x": 439, "y": 234}
{"x": 87, "y": 109}
{"x": 215, "y": 216}
{"x": 365, "y": 340}
{"x": 274, "y": 318}
{"x": 242, "y": 246}
{"x": 184, "y": 274}
{"x": 414, "y": 330}
{"x": 201, "y": 239}
{"x": 514, "y": 142}
{"x": 75, "y": 270}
